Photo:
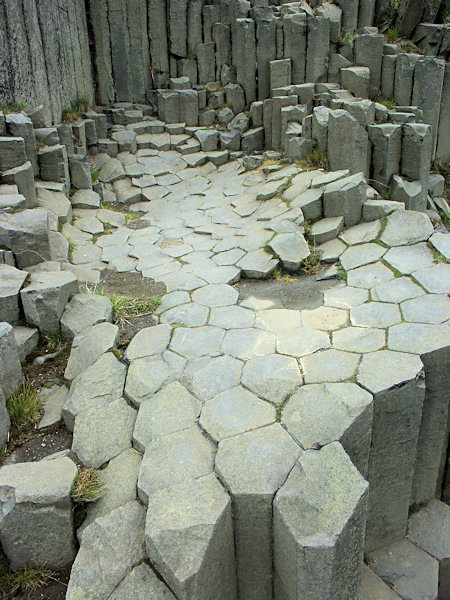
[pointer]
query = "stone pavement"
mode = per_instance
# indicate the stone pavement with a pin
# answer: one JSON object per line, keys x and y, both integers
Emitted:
{"x": 259, "y": 426}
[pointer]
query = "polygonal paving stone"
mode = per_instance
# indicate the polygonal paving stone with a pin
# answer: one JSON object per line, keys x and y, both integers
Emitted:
{"x": 235, "y": 411}
{"x": 255, "y": 303}
{"x": 252, "y": 466}
{"x": 171, "y": 300}
{"x": 172, "y": 409}
{"x": 216, "y": 295}
{"x": 324, "y": 318}
{"x": 278, "y": 319}
{"x": 418, "y": 338}
{"x": 101, "y": 433}
{"x": 197, "y": 341}
{"x": 369, "y": 275}
{"x": 326, "y": 229}
{"x": 345, "y": 297}
{"x": 140, "y": 582}
{"x": 149, "y": 341}
{"x": 407, "y": 259}
{"x": 231, "y": 317}
{"x": 359, "y": 339}
{"x": 363, "y": 254}
{"x": 319, "y": 517}
{"x": 374, "y": 588}
{"x": 435, "y": 280}
{"x": 404, "y": 228}
{"x": 441, "y": 241}
{"x": 427, "y": 309}
{"x": 147, "y": 375}
{"x": 89, "y": 345}
{"x": 396, "y": 290}
{"x": 301, "y": 341}
{"x": 291, "y": 249}
{"x": 229, "y": 257}
{"x": 217, "y": 375}
{"x": 189, "y": 315}
{"x": 272, "y": 377}
{"x": 362, "y": 233}
{"x": 248, "y": 343}
{"x": 182, "y": 281}
{"x": 258, "y": 264}
{"x": 319, "y": 414}
{"x": 375, "y": 314}
{"x": 330, "y": 251}
{"x": 174, "y": 458}
{"x": 329, "y": 366}
{"x": 189, "y": 539}
{"x": 82, "y": 311}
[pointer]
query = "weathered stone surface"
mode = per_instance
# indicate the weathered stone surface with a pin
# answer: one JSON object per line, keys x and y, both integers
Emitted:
{"x": 248, "y": 343}
{"x": 11, "y": 281}
{"x": 110, "y": 547}
{"x": 252, "y": 466}
{"x": 329, "y": 366}
{"x": 374, "y": 588}
{"x": 27, "y": 235}
{"x": 171, "y": 409}
{"x": 26, "y": 341}
{"x": 291, "y": 249}
{"x": 345, "y": 197}
{"x": 215, "y": 376}
{"x": 38, "y": 528}
{"x": 434, "y": 279}
{"x": 195, "y": 566}
{"x": 84, "y": 310}
{"x": 45, "y": 298}
{"x": 174, "y": 458}
{"x": 53, "y": 399}
{"x": 396, "y": 380}
{"x": 319, "y": 519}
{"x": 11, "y": 376}
{"x": 149, "y": 341}
{"x": 89, "y": 345}
{"x": 101, "y": 433}
{"x": 348, "y": 143}
{"x": 272, "y": 377}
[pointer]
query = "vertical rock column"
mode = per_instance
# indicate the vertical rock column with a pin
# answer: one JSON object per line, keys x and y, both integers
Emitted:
{"x": 265, "y": 52}
{"x": 319, "y": 522}
{"x": 318, "y": 49}
{"x": 245, "y": 60}
{"x": 157, "y": 29}
{"x": 431, "y": 343}
{"x": 396, "y": 381}
{"x": 253, "y": 466}
{"x": 295, "y": 28}
{"x": 443, "y": 139}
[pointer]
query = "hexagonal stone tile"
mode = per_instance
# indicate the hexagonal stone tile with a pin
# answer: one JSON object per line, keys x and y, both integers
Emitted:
{"x": 358, "y": 234}
{"x": 363, "y": 254}
{"x": 330, "y": 251}
{"x": 182, "y": 281}
{"x": 427, "y": 309}
{"x": 359, "y": 339}
{"x": 89, "y": 345}
{"x": 291, "y": 249}
{"x": 272, "y": 377}
{"x": 146, "y": 375}
{"x": 258, "y": 264}
{"x": 248, "y": 343}
{"x": 318, "y": 414}
{"x": 329, "y": 366}
{"x": 231, "y": 317}
{"x": 407, "y": 259}
{"x": 217, "y": 375}
{"x": 278, "y": 319}
{"x": 229, "y": 257}
{"x": 396, "y": 290}
{"x": 191, "y": 314}
{"x": 435, "y": 280}
{"x": 149, "y": 341}
{"x": 369, "y": 275}
{"x": 404, "y": 228}
{"x": 418, "y": 338}
{"x": 172, "y": 409}
{"x": 375, "y": 314}
{"x": 235, "y": 411}
{"x": 173, "y": 458}
{"x": 324, "y": 318}
{"x": 345, "y": 296}
{"x": 252, "y": 466}
{"x": 384, "y": 369}
{"x": 219, "y": 275}
{"x": 441, "y": 241}
{"x": 216, "y": 295}
{"x": 198, "y": 341}
{"x": 301, "y": 341}
{"x": 188, "y": 524}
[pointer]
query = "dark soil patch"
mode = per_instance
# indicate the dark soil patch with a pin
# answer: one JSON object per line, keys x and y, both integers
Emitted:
{"x": 29, "y": 444}
{"x": 130, "y": 328}
{"x": 55, "y": 589}
{"x": 51, "y": 371}
{"x": 302, "y": 291}
{"x": 130, "y": 284}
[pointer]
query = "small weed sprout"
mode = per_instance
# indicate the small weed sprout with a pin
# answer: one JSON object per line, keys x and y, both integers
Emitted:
{"x": 87, "y": 487}
{"x": 24, "y": 405}
{"x": 126, "y": 308}
{"x": 311, "y": 264}
{"x": 283, "y": 278}
{"x": 342, "y": 275}
{"x": 28, "y": 579}
{"x": 315, "y": 159}
{"x": 94, "y": 176}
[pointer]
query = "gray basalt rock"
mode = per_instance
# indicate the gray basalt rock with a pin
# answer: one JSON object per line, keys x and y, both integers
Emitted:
{"x": 139, "y": 583}
{"x": 38, "y": 528}
{"x": 11, "y": 282}
{"x": 11, "y": 376}
{"x": 27, "y": 235}
{"x": 89, "y": 345}
{"x": 45, "y": 298}
{"x": 84, "y": 310}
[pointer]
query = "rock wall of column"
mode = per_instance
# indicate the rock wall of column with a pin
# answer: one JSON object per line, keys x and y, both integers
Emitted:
{"x": 44, "y": 54}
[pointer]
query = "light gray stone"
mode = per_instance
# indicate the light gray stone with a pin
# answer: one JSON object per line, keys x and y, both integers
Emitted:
{"x": 359, "y": 339}
{"x": 406, "y": 228}
{"x": 53, "y": 399}
{"x": 11, "y": 376}
{"x": 217, "y": 375}
{"x": 11, "y": 282}
{"x": 198, "y": 567}
{"x": 148, "y": 341}
{"x": 374, "y": 588}
{"x": 27, "y": 235}
{"x": 291, "y": 249}
{"x": 248, "y": 343}
{"x": 310, "y": 537}
{"x": 252, "y": 466}
{"x": 329, "y": 366}
{"x": 140, "y": 582}
{"x": 85, "y": 310}
{"x": 89, "y": 345}
{"x": 272, "y": 377}
{"x": 26, "y": 341}
{"x": 348, "y": 143}
{"x": 345, "y": 197}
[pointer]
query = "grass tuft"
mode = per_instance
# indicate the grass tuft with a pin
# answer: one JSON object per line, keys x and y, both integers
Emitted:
{"x": 392, "y": 35}
{"x": 342, "y": 275}
{"x": 387, "y": 102}
{"x": 28, "y": 579}
{"x": 87, "y": 487}
{"x": 24, "y": 405}
{"x": 315, "y": 159}
{"x": 283, "y": 278}
{"x": 73, "y": 113}
{"x": 126, "y": 308}
{"x": 12, "y": 108}
{"x": 54, "y": 340}
{"x": 132, "y": 217}
{"x": 311, "y": 264}
{"x": 94, "y": 176}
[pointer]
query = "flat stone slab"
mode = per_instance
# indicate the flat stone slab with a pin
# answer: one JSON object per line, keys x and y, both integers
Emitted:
{"x": 149, "y": 341}
{"x": 291, "y": 249}
{"x": 83, "y": 311}
{"x": 329, "y": 366}
{"x": 248, "y": 343}
{"x": 215, "y": 295}
{"x": 406, "y": 228}
{"x": 198, "y": 341}
{"x": 147, "y": 375}
{"x": 89, "y": 345}
{"x": 212, "y": 376}
{"x": 302, "y": 341}
{"x": 272, "y": 377}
